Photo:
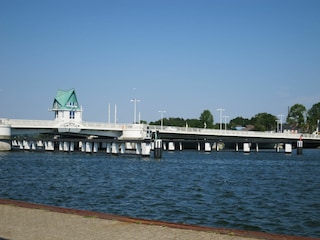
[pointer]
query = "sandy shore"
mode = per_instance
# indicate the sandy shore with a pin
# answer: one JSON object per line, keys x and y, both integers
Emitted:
{"x": 20, "y": 220}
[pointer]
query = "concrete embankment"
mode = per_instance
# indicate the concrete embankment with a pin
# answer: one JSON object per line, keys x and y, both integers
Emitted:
{"x": 21, "y": 220}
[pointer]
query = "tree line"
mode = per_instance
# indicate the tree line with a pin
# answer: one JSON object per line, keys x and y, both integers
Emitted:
{"x": 298, "y": 119}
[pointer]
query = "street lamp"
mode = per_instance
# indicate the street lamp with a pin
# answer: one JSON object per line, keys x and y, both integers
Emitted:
{"x": 135, "y": 109}
{"x": 280, "y": 115}
{"x": 225, "y": 122}
{"x": 221, "y": 110}
{"x": 161, "y": 114}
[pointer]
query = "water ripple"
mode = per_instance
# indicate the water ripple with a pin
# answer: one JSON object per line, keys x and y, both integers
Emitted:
{"x": 269, "y": 192}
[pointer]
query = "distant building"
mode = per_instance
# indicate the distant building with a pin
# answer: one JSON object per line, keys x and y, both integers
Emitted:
{"x": 66, "y": 107}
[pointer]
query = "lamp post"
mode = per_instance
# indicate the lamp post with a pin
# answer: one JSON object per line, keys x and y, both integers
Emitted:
{"x": 221, "y": 110}
{"x": 225, "y": 122}
{"x": 161, "y": 119}
{"x": 280, "y": 115}
{"x": 135, "y": 109}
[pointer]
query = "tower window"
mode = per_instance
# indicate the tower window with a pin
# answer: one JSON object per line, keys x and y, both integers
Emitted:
{"x": 72, "y": 115}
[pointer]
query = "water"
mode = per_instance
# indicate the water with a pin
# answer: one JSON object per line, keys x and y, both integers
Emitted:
{"x": 265, "y": 191}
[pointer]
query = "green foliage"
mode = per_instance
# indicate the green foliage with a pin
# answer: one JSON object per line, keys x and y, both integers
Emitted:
{"x": 239, "y": 122}
{"x": 264, "y": 122}
{"x": 206, "y": 118}
{"x": 313, "y": 117}
{"x": 296, "y": 116}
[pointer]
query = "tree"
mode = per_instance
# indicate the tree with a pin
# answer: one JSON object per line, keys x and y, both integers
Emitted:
{"x": 206, "y": 118}
{"x": 313, "y": 117}
{"x": 264, "y": 122}
{"x": 239, "y": 122}
{"x": 295, "y": 116}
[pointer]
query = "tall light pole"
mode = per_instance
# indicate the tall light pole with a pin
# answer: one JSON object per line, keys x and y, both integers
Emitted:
{"x": 161, "y": 114}
{"x": 225, "y": 122}
{"x": 280, "y": 115}
{"x": 221, "y": 110}
{"x": 135, "y": 109}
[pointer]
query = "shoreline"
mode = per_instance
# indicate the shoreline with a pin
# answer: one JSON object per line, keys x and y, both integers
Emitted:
{"x": 130, "y": 225}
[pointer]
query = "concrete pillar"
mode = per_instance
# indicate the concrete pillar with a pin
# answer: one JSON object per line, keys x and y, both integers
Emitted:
{"x": 199, "y": 146}
{"x": 278, "y": 147}
{"x": 26, "y": 145}
{"x": 40, "y": 144}
{"x": 32, "y": 145}
{"x": 171, "y": 146}
{"x": 123, "y": 148}
{"x": 60, "y": 146}
{"x": 288, "y": 148}
{"x": 88, "y": 147}
{"x": 20, "y": 144}
{"x": 207, "y": 147}
{"x": 48, "y": 146}
{"x": 180, "y": 146}
{"x": 5, "y": 138}
{"x": 82, "y": 146}
{"x": 158, "y": 147}
{"x": 95, "y": 147}
{"x": 164, "y": 145}
{"x": 217, "y": 147}
{"x": 145, "y": 149}
{"x": 108, "y": 148}
{"x": 257, "y": 147}
{"x": 237, "y": 147}
{"x": 71, "y": 146}
{"x": 246, "y": 147}
{"x": 66, "y": 146}
{"x": 138, "y": 148}
{"x": 114, "y": 148}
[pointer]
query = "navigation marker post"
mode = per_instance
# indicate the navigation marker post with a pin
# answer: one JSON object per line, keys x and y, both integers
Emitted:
{"x": 299, "y": 146}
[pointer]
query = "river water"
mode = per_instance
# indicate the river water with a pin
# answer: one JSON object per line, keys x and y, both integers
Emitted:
{"x": 264, "y": 191}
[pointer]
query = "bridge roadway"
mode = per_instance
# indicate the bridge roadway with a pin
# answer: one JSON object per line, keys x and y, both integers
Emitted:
{"x": 122, "y": 131}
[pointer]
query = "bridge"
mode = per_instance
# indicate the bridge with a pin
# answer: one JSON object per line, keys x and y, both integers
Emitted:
{"x": 22, "y": 134}
{"x": 68, "y": 132}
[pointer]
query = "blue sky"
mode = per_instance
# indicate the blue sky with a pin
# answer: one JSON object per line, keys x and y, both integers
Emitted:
{"x": 181, "y": 56}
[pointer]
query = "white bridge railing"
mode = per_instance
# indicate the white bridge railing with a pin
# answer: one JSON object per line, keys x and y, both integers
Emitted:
{"x": 232, "y": 133}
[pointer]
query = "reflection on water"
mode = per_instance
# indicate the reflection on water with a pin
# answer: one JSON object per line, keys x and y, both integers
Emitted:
{"x": 264, "y": 191}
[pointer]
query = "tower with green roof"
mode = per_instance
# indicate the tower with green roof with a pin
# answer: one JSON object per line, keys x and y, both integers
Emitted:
{"x": 66, "y": 106}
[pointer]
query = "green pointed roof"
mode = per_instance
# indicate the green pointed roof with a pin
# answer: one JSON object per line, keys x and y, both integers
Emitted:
{"x": 66, "y": 100}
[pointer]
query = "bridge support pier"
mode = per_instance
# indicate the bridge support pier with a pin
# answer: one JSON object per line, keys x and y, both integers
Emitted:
{"x": 257, "y": 147}
{"x": 114, "y": 148}
{"x": 95, "y": 147}
{"x": 108, "y": 148}
{"x": 278, "y": 146}
{"x": 237, "y": 147}
{"x": 180, "y": 146}
{"x": 138, "y": 148}
{"x": 207, "y": 147}
{"x": 199, "y": 146}
{"x": 66, "y": 146}
{"x": 48, "y": 146}
{"x": 88, "y": 147}
{"x": 246, "y": 147}
{"x": 171, "y": 146}
{"x": 145, "y": 149}
{"x": 288, "y": 148}
{"x": 123, "y": 148}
